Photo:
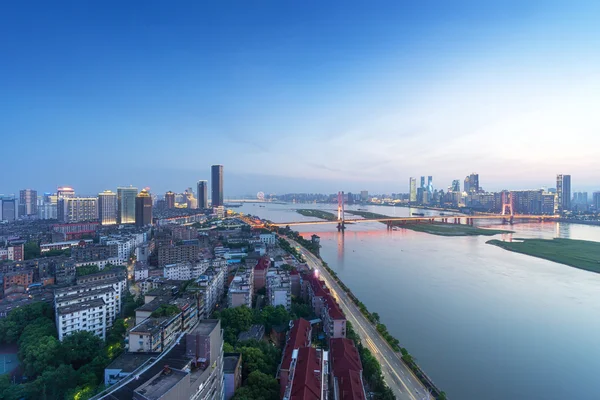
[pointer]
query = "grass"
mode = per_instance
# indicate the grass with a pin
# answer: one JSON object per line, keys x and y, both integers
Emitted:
{"x": 440, "y": 229}
{"x": 580, "y": 254}
{"x": 307, "y": 212}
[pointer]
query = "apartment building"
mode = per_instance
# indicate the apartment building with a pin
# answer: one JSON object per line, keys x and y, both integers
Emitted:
{"x": 308, "y": 376}
{"x": 177, "y": 254}
{"x": 241, "y": 289}
{"x": 346, "y": 370}
{"x": 299, "y": 335}
{"x": 279, "y": 289}
{"x": 88, "y": 315}
{"x": 184, "y": 271}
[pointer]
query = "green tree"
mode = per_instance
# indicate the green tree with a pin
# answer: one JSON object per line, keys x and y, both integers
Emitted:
{"x": 80, "y": 348}
{"x": 227, "y": 348}
{"x": 40, "y": 356}
{"x": 272, "y": 316}
{"x": 31, "y": 250}
{"x": 258, "y": 386}
{"x": 165, "y": 310}
{"x": 301, "y": 310}
{"x": 235, "y": 320}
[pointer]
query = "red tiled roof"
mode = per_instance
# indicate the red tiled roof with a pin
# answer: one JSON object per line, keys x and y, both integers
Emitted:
{"x": 307, "y": 380}
{"x": 346, "y": 368}
{"x": 319, "y": 287}
{"x": 299, "y": 337}
{"x": 333, "y": 308}
{"x": 263, "y": 263}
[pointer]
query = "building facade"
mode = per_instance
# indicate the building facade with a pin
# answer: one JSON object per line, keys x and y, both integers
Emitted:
{"x": 562, "y": 201}
{"x": 143, "y": 209}
{"x": 27, "y": 203}
{"x": 77, "y": 209}
{"x": 126, "y": 205}
{"x": 107, "y": 208}
{"x": 217, "y": 185}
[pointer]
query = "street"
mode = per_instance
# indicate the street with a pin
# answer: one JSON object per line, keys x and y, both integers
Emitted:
{"x": 397, "y": 375}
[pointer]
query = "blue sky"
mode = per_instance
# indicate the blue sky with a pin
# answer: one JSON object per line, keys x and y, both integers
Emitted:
{"x": 303, "y": 96}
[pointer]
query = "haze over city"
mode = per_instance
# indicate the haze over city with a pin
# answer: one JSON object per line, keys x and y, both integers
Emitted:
{"x": 312, "y": 97}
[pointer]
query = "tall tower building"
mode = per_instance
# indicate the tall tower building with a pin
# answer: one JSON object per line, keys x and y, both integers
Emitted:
{"x": 202, "y": 194}
{"x": 430, "y": 185}
{"x": 65, "y": 192}
{"x": 126, "y": 204}
{"x": 170, "y": 199}
{"x": 77, "y": 209}
{"x": 217, "y": 185}
{"x": 8, "y": 209}
{"x": 27, "y": 202}
{"x": 107, "y": 208}
{"x": 563, "y": 193}
{"x": 422, "y": 182}
{"x": 143, "y": 208}
{"x": 413, "y": 190}
{"x": 596, "y": 201}
{"x": 456, "y": 185}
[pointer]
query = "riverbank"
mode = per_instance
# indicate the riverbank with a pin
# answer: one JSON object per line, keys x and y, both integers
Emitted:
{"x": 439, "y": 229}
{"x": 580, "y": 254}
{"x": 309, "y": 212}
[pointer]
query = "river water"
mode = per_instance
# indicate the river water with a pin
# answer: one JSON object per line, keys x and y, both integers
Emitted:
{"x": 483, "y": 322}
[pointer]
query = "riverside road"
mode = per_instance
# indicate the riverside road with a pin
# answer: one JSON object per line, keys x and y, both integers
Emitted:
{"x": 397, "y": 375}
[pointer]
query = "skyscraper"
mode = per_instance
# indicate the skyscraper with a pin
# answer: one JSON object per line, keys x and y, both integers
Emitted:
{"x": 143, "y": 208}
{"x": 596, "y": 201}
{"x": 65, "y": 192}
{"x": 27, "y": 202}
{"x": 456, "y": 186}
{"x": 430, "y": 185}
{"x": 217, "y": 185}
{"x": 472, "y": 183}
{"x": 413, "y": 190}
{"x": 8, "y": 209}
{"x": 107, "y": 208}
{"x": 77, "y": 209}
{"x": 563, "y": 193}
{"x": 126, "y": 204}
{"x": 422, "y": 182}
{"x": 170, "y": 199}
{"x": 202, "y": 194}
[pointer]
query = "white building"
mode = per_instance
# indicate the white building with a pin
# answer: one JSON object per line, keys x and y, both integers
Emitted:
{"x": 212, "y": 285}
{"x": 69, "y": 319}
{"x": 268, "y": 238}
{"x": 279, "y": 289}
{"x": 185, "y": 270}
{"x": 77, "y": 209}
{"x": 241, "y": 289}
{"x": 83, "y": 316}
{"x": 107, "y": 208}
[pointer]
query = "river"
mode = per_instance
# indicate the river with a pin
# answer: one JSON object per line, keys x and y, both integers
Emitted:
{"x": 483, "y": 322}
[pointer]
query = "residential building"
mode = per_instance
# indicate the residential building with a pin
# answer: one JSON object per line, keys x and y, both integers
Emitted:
{"x": 122, "y": 366}
{"x": 309, "y": 371}
{"x": 563, "y": 193}
{"x": 194, "y": 370}
{"x": 176, "y": 254}
{"x": 77, "y": 209}
{"x": 14, "y": 252}
{"x": 153, "y": 335}
{"x": 334, "y": 320}
{"x": 548, "y": 203}
{"x": 65, "y": 192}
{"x": 241, "y": 289}
{"x": 279, "y": 288}
{"x": 412, "y": 184}
{"x": 170, "y": 199}
{"x": 217, "y": 185}
{"x": 268, "y": 238}
{"x": 346, "y": 370}
{"x": 202, "y": 194}
{"x": 299, "y": 335}
{"x": 64, "y": 245}
{"x": 260, "y": 273}
{"x": 232, "y": 373}
{"x": 86, "y": 315}
{"x": 126, "y": 205}
{"x": 143, "y": 209}
{"x": 364, "y": 196}
{"x": 27, "y": 203}
{"x": 22, "y": 278}
{"x": 184, "y": 271}
{"x": 107, "y": 208}
{"x": 76, "y": 230}
{"x": 211, "y": 287}
{"x": 8, "y": 209}
{"x": 596, "y": 201}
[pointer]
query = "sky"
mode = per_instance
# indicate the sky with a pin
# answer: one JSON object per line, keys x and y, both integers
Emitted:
{"x": 312, "y": 96}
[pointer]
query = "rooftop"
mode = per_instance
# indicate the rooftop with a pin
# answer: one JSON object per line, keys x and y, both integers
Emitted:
{"x": 128, "y": 362}
{"x": 299, "y": 336}
{"x": 80, "y": 306}
{"x": 230, "y": 361}
{"x": 205, "y": 327}
{"x": 156, "y": 387}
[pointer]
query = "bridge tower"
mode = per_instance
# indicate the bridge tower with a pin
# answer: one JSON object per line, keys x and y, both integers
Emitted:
{"x": 508, "y": 205}
{"x": 341, "y": 226}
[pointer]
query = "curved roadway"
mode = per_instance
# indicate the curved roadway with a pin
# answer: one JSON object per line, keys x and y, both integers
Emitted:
{"x": 397, "y": 375}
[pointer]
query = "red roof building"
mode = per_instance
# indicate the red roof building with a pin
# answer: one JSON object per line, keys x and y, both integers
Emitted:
{"x": 300, "y": 335}
{"x": 346, "y": 370}
{"x": 308, "y": 372}
{"x": 260, "y": 273}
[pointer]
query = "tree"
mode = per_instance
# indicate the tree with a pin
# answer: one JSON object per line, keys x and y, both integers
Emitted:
{"x": 31, "y": 250}
{"x": 227, "y": 348}
{"x": 235, "y": 320}
{"x": 259, "y": 386}
{"x": 80, "y": 348}
{"x": 258, "y": 355}
{"x": 43, "y": 355}
{"x": 130, "y": 303}
{"x": 272, "y": 316}
{"x": 301, "y": 310}
{"x": 165, "y": 310}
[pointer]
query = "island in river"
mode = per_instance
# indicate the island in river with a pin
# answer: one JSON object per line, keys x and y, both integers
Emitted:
{"x": 580, "y": 254}
{"x": 440, "y": 229}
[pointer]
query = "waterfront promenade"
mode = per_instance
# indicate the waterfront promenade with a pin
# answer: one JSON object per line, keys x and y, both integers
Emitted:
{"x": 397, "y": 375}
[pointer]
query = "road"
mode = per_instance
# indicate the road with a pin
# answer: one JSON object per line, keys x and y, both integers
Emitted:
{"x": 397, "y": 375}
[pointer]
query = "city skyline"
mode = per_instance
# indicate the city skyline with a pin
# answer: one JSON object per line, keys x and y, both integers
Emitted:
{"x": 311, "y": 97}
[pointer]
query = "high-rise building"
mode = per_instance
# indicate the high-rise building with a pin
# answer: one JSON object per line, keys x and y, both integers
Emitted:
{"x": 422, "y": 182}
{"x": 202, "y": 194}
{"x": 455, "y": 186}
{"x": 413, "y": 190}
{"x": 596, "y": 201}
{"x": 217, "y": 185}
{"x": 77, "y": 209}
{"x": 107, "y": 207}
{"x": 170, "y": 199}
{"x": 472, "y": 183}
{"x": 364, "y": 196}
{"x": 563, "y": 193}
{"x": 143, "y": 208}
{"x": 8, "y": 208}
{"x": 65, "y": 192}
{"x": 430, "y": 185}
{"x": 27, "y": 202}
{"x": 126, "y": 204}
